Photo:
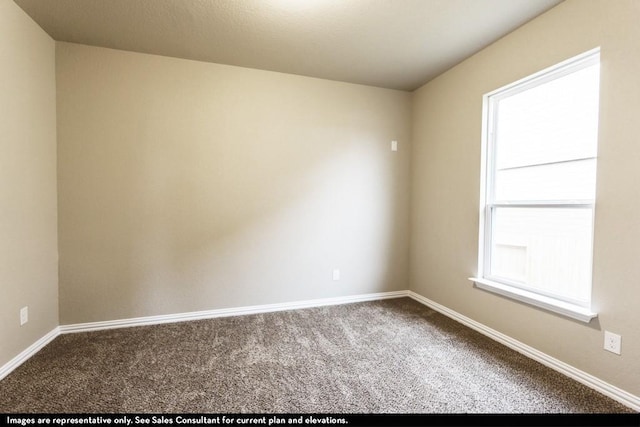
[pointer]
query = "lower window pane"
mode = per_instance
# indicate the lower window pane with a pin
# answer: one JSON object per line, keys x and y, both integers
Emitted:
{"x": 545, "y": 249}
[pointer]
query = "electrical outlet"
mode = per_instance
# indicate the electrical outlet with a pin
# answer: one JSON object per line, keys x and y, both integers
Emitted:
{"x": 24, "y": 315}
{"x": 612, "y": 342}
{"x": 394, "y": 145}
{"x": 336, "y": 274}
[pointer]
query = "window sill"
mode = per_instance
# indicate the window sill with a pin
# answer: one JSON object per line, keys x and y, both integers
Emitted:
{"x": 560, "y": 307}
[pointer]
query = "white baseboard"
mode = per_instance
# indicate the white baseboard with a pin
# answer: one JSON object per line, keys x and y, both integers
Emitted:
{"x": 224, "y": 312}
{"x": 8, "y": 367}
{"x": 182, "y": 317}
{"x": 589, "y": 380}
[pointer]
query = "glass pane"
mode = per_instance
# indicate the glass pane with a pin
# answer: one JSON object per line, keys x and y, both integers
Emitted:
{"x": 552, "y": 122}
{"x": 557, "y": 181}
{"x": 546, "y": 249}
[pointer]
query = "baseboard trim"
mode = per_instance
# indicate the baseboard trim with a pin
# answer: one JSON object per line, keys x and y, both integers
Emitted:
{"x": 589, "y": 380}
{"x": 25, "y": 355}
{"x": 10, "y": 366}
{"x": 225, "y": 312}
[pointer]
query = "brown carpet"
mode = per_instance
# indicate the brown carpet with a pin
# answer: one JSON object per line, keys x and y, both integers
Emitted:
{"x": 391, "y": 356}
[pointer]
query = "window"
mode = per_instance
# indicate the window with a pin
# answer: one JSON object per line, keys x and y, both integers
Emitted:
{"x": 540, "y": 139}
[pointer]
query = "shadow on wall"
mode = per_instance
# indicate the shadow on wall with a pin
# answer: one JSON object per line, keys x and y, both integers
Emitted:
{"x": 182, "y": 197}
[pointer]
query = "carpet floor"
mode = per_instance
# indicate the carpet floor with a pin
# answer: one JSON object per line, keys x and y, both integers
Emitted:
{"x": 390, "y": 356}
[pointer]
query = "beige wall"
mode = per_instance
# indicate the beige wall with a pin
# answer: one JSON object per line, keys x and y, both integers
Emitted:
{"x": 28, "y": 229}
{"x": 189, "y": 186}
{"x": 445, "y": 178}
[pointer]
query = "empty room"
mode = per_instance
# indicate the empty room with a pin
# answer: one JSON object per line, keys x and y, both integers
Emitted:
{"x": 308, "y": 207}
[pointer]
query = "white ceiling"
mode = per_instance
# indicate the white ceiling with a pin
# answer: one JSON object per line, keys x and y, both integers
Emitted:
{"x": 399, "y": 44}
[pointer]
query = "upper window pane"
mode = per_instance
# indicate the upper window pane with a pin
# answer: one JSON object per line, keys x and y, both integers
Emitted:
{"x": 546, "y": 124}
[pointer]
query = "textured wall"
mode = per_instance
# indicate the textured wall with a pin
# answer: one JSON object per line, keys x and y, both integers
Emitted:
{"x": 189, "y": 186}
{"x": 28, "y": 218}
{"x": 445, "y": 195}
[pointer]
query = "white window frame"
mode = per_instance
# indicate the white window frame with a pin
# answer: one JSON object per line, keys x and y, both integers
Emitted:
{"x": 518, "y": 291}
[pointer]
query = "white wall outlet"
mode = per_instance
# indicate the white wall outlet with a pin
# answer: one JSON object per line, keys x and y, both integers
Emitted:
{"x": 612, "y": 342}
{"x": 394, "y": 145}
{"x": 24, "y": 315}
{"x": 336, "y": 274}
